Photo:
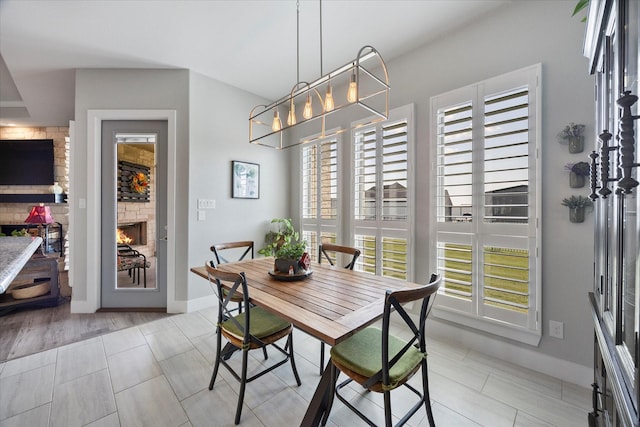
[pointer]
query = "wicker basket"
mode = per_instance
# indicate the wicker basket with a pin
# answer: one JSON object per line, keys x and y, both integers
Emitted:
{"x": 31, "y": 290}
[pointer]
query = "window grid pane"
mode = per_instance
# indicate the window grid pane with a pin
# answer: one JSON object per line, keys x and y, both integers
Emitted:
{"x": 454, "y": 160}
{"x": 394, "y": 171}
{"x": 455, "y": 267}
{"x": 328, "y": 180}
{"x": 311, "y": 237}
{"x": 365, "y": 175}
{"x": 506, "y": 157}
{"x": 506, "y": 278}
{"x": 309, "y": 182}
{"x": 367, "y": 259}
{"x": 394, "y": 257}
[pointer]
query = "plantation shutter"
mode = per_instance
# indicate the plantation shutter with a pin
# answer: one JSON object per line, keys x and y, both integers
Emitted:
{"x": 485, "y": 221}
{"x": 319, "y": 170}
{"x": 381, "y": 196}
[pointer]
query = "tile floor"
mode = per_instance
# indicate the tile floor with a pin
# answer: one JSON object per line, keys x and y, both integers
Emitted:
{"x": 157, "y": 374}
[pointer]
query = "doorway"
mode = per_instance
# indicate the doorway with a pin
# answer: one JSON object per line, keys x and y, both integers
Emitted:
{"x": 134, "y": 214}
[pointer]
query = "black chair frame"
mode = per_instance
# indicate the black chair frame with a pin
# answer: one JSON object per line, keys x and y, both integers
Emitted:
{"x": 380, "y": 381}
{"x": 330, "y": 247}
{"x": 139, "y": 261}
{"x": 323, "y": 249}
{"x": 232, "y": 245}
{"x": 218, "y": 247}
{"x": 248, "y": 342}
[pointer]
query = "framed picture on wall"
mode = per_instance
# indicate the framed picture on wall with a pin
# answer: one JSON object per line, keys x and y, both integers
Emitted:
{"x": 245, "y": 180}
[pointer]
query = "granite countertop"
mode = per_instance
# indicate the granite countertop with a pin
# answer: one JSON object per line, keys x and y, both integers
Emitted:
{"x": 14, "y": 254}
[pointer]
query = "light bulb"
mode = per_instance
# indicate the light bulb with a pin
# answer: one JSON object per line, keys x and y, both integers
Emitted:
{"x": 291, "y": 118}
{"x": 308, "y": 109}
{"x": 352, "y": 93}
{"x": 277, "y": 124}
{"x": 328, "y": 100}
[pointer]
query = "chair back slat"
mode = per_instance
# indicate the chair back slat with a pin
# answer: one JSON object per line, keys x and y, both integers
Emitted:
{"x": 218, "y": 247}
{"x": 326, "y": 248}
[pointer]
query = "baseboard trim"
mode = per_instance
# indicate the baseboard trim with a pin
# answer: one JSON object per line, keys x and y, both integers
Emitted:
{"x": 509, "y": 352}
{"x": 132, "y": 309}
{"x": 200, "y": 303}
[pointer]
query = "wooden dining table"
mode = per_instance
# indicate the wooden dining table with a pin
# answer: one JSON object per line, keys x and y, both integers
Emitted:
{"x": 329, "y": 303}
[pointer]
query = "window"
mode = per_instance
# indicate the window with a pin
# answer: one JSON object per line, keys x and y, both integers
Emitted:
{"x": 382, "y": 195}
{"x": 319, "y": 215}
{"x": 486, "y": 204}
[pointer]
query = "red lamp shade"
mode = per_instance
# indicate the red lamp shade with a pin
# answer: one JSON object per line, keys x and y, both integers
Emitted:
{"x": 39, "y": 215}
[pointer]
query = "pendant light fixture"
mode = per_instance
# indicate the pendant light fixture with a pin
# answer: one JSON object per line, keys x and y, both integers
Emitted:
{"x": 363, "y": 83}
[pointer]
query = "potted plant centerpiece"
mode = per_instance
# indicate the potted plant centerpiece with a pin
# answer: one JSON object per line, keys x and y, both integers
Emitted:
{"x": 576, "y": 205}
{"x": 577, "y": 173}
{"x": 285, "y": 245}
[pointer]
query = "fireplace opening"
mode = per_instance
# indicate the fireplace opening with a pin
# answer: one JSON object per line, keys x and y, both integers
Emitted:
{"x": 133, "y": 234}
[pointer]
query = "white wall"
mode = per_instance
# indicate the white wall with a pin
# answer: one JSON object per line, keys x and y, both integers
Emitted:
{"x": 218, "y": 134}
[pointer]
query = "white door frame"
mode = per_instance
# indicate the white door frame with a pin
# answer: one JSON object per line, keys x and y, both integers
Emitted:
{"x": 94, "y": 208}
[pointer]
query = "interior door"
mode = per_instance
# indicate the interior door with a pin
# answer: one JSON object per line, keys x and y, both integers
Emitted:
{"x": 134, "y": 214}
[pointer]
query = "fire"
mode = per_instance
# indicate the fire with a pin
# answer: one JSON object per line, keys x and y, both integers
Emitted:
{"x": 121, "y": 237}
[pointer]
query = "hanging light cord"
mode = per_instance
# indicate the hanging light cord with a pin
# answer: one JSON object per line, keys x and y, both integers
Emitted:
{"x": 298, "y": 41}
{"x": 321, "y": 73}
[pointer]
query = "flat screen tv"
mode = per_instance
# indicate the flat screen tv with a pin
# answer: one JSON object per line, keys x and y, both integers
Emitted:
{"x": 26, "y": 162}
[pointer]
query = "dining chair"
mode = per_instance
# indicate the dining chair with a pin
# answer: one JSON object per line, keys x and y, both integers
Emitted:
{"x": 382, "y": 362}
{"x": 254, "y": 328}
{"x": 131, "y": 261}
{"x": 327, "y": 250}
{"x": 217, "y": 248}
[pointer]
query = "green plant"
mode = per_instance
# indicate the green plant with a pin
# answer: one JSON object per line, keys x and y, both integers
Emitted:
{"x": 292, "y": 250}
{"x": 582, "y": 4}
{"x": 580, "y": 168}
{"x": 571, "y": 130}
{"x": 284, "y": 241}
{"x": 577, "y": 202}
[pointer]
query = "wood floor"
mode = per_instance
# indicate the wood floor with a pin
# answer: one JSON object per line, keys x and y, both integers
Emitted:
{"x": 26, "y": 332}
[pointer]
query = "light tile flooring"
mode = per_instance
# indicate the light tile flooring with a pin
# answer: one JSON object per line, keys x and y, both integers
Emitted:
{"x": 157, "y": 374}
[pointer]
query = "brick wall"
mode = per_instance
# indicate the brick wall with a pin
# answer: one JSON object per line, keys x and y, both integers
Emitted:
{"x": 15, "y": 213}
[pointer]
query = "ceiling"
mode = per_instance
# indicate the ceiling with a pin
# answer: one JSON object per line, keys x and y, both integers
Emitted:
{"x": 249, "y": 44}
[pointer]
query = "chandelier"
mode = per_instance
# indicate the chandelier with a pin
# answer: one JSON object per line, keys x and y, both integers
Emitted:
{"x": 360, "y": 84}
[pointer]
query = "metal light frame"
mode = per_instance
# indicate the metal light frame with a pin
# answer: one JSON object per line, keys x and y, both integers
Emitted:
{"x": 372, "y": 85}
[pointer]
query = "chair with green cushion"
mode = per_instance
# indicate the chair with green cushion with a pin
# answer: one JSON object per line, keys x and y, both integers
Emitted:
{"x": 254, "y": 328}
{"x": 382, "y": 362}
{"x": 330, "y": 252}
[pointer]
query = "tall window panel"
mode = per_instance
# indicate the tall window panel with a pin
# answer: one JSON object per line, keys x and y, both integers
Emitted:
{"x": 320, "y": 201}
{"x": 382, "y": 195}
{"x": 485, "y": 220}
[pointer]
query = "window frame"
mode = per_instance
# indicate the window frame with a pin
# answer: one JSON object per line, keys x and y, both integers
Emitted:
{"x": 320, "y": 225}
{"x": 480, "y": 234}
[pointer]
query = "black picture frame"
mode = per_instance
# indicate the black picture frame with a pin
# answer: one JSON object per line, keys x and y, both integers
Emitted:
{"x": 245, "y": 180}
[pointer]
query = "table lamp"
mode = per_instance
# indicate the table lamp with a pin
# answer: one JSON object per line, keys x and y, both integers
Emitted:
{"x": 40, "y": 215}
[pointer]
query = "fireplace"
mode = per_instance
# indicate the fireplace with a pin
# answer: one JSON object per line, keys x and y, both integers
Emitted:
{"x": 132, "y": 233}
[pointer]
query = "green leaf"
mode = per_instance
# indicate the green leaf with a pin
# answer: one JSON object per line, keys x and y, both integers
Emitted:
{"x": 579, "y": 6}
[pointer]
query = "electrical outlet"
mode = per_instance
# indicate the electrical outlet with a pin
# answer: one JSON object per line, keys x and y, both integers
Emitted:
{"x": 556, "y": 329}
